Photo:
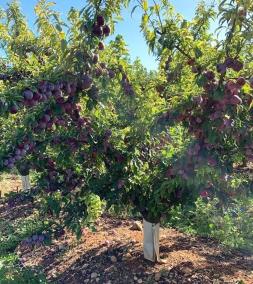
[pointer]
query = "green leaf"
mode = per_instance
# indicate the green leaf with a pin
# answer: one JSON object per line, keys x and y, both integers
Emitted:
{"x": 134, "y": 8}
{"x": 58, "y": 27}
{"x": 145, "y": 5}
{"x": 64, "y": 45}
{"x": 198, "y": 52}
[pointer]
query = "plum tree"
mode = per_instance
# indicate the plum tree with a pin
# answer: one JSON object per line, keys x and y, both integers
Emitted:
{"x": 87, "y": 121}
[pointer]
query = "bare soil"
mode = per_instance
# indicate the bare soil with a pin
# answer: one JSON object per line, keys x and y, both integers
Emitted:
{"x": 9, "y": 183}
{"x": 113, "y": 254}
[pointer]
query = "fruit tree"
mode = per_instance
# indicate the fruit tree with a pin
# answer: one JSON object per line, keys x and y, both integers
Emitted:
{"x": 93, "y": 126}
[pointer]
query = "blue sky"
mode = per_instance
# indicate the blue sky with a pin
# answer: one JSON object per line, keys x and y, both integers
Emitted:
{"x": 129, "y": 28}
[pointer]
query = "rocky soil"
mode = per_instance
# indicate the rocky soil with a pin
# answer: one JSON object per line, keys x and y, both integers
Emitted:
{"x": 113, "y": 254}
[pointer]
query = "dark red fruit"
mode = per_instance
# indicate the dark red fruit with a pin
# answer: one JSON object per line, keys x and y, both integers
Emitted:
{"x": 100, "y": 20}
{"x": 95, "y": 58}
{"x": 241, "y": 81}
{"x": 86, "y": 82}
{"x": 229, "y": 62}
{"x": 57, "y": 93}
{"x": 42, "y": 125}
{"x": 237, "y": 66}
{"x": 46, "y": 118}
{"x": 221, "y": 68}
{"x": 209, "y": 75}
{"x": 28, "y": 95}
{"x": 97, "y": 31}
{"x": 98, "y": 72}
{"x": 101, "y": 45}
{"x": 191, "y": 62}
{"x": 60, "y": 100}
{"x": 50, "y": 87}
{"x": 111, "y": 74}
{"x": 251, "y": 82}
{"x": 37, "y": 96}
{"x": 106, "y": 30}
{"x": 235, "y": 100}
{"x": 67, "y": 107}
{"x": 13, "y": 109}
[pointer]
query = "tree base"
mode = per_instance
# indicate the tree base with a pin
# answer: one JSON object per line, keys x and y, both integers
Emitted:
{"x": 151, "y": 241}
{"x": 26, "y": 185}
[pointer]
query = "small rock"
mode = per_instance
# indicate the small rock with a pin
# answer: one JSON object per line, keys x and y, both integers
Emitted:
{"x": 157, "y": 276}
{"x": 62, "y": 247}
{"x": 135, "y": 278}
{"x": 113, "y": 259}
{"x": 97, "y": 279}
{"x": 85, "y": 265}
{"x": 112, "y": 232}
{"x": 137, "y": 226}
{"x": 126, "y": 256}
{"x": 93, "y": 275}
{"x": 139, "y": 281}
{"x": 86, "y": 281}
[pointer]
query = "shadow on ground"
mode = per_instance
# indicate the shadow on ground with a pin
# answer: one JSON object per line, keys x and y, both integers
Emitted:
{"x": 210, "y": 263}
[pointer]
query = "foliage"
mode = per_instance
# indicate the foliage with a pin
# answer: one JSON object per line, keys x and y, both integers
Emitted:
{"x": 88, "y": 121}
{"x": 12, "y": 234}
{"x": 11, "y": 271}
{"x": 231, "y": 225}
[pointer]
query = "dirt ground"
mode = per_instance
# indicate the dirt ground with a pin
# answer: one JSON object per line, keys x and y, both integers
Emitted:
{"x": 113, "y": 254}
{"x": 9, "y": 183}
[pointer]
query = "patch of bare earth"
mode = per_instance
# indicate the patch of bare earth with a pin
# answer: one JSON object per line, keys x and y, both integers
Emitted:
{"x": 113, "y": 254}
{"x": 9, "y": 183}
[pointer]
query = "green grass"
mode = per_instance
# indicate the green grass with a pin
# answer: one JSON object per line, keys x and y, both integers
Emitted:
{"x": 12, "y": 272}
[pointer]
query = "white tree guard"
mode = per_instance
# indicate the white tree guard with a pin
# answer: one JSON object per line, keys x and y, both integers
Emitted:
{"x": 151, "y": 241}
{"x": 26, "y": 182}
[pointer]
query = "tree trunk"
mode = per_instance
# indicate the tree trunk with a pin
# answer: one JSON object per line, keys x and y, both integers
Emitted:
{"x": 151, "y": 241}
{"x": 26, "y": 182}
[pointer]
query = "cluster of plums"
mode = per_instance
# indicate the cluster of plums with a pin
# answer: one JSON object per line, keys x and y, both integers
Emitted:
{"x": 99, "y": 28}
{"x": 19, "y": 153}
{"x": 35, "y": 240}
{"x": 65, "y": 180}
{"x": 211, "y": 109}
{"x": 229, "y": 62}
{"x": 127, "y": 86}
{"x": 46, "y": 90}
{"x": 102, "y": 69}
{"x": 13, "y": 76}
{"x": 58, "y": 178}
{"x": 195, "y": 156}
{"x": 63, "y": 94}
